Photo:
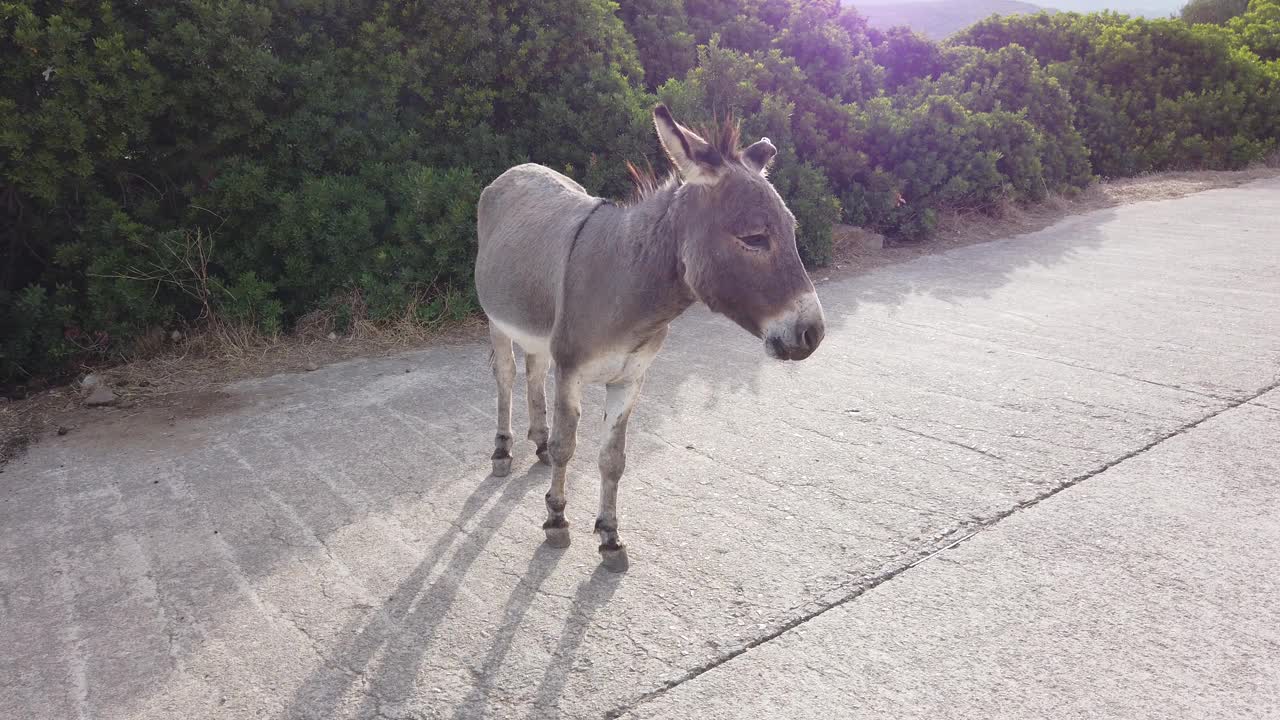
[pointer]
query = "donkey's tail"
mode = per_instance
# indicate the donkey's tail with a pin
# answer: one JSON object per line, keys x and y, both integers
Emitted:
{"x": 484, "y": 214}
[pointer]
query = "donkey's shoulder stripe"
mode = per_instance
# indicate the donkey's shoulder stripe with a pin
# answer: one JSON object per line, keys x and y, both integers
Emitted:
{"x": 582, "y": 225}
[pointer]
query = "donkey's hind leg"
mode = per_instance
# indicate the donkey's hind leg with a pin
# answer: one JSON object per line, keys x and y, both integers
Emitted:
{"x": 504, "y": 371}
{"x": 535, "y": 368}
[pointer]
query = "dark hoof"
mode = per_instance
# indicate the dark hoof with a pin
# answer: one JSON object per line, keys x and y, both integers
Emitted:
{"x": 501, "y": 467}
{"x": 557, "y": 537}
{"x": 544, "y": 455}
{"x": 614, "y": 558}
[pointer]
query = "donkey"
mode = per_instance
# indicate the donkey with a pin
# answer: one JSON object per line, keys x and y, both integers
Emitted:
{"x": 591, "y": 286}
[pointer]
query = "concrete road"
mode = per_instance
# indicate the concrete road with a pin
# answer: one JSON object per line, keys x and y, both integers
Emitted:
{"x": 1087, "y": 417}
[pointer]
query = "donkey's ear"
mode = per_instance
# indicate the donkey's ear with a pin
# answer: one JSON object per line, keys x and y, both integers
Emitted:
{"x": 758, "y": 156}
{"x": 697, "y": 160}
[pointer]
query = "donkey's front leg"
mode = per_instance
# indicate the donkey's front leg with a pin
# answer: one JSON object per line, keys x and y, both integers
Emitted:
{"x": 619, "y": 400}
{"x": 564, "y": 440}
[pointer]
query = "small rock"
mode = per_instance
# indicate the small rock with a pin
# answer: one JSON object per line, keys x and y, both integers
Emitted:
{"x": 100, "y": 396}
{"x": 312, "y": 367}
{"x": 63, "y": 429}
{"x": 333, "y": 336}
{"x": 91, "y": 381}
{"x": 175, "y": 336}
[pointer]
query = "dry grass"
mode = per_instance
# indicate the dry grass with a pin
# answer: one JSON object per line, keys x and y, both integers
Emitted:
{"x": 222, "y": 353}
{"x": 1162, "y": 186}
{"x": 164, "y": 371}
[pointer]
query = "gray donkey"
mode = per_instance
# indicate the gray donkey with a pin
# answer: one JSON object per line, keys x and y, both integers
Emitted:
{"x": 592, "y": 285}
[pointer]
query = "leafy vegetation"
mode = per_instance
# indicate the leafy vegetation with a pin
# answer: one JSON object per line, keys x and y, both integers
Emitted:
{"x": 253, "y": 160}
{"x": 1151, "y": 95}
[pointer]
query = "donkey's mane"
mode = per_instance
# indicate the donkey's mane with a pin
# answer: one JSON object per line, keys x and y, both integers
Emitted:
{"x": 723, "y": 135}
{"x": 647, "y": 183}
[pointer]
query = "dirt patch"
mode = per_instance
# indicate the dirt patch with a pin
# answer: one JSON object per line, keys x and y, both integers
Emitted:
{"x": 202, "y": 363}
{"x": 180, "y": 379}
{"x": 12, "y": 444}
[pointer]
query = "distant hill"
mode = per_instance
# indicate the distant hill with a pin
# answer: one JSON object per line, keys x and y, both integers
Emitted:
{"x": 940, "y": 18}
{"x": 1146, "y": 8}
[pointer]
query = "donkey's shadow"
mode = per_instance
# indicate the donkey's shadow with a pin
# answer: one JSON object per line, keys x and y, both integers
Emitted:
{"x": 401, "y": 632}
{"x": 592, "y": 594}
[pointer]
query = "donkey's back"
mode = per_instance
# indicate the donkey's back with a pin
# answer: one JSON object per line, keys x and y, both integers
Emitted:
{"x": 526, "y": 220}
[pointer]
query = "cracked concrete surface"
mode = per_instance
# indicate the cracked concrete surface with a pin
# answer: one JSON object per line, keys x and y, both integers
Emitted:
{"x": 1148, "y": 593}
{"x": 1080, "y": 414}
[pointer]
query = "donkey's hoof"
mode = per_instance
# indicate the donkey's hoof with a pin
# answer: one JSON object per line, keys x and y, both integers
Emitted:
{"x": 501, "y": 467}
{"x": 614, "y": 558}
{"x": 557, "y": 537}
{"x": 544, "y": 455}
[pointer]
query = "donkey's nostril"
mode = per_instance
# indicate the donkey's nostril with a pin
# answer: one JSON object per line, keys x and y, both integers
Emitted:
{"x": 810, "y": 337}
{"x": 801, "y": 339}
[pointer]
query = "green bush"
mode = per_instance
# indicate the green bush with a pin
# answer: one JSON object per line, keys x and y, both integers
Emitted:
{"x": 318, "y": 149}
{"x": 1151, "y": 94}
{"x": 994, "y": 128}
{"x": 808, "y": 194}
{"x": 1259, "y": 29}
{"x": 32, "y": 330}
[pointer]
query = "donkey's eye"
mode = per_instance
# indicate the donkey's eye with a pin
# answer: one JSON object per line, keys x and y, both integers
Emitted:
{"x": 757, "y": 242}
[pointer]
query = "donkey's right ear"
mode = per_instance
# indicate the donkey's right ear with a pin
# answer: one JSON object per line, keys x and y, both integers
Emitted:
{"x": 697, "y": 160}
{"x": 759, "y": 155}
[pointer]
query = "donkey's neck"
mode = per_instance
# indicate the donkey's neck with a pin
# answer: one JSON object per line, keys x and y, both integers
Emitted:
{"x": 647, "y": 283}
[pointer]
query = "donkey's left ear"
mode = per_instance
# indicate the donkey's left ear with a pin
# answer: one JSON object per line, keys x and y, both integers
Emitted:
{"x": 759, "y": 155}
{"x": 698, "y": 161}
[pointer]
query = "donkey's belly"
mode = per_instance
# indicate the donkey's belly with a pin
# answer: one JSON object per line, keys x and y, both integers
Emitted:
{"x": 532, "y": 343}
{"x": 609, "y": 367}
{"x": 622, "y": 366}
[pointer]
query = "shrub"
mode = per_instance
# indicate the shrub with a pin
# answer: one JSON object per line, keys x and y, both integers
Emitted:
{"x": 1150, "y": 94}
{"x": 327, "y": 148}
{"x": 1259, "y": 29}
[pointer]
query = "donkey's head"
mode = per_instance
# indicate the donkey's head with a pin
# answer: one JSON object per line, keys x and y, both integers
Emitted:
{"x": 737, "y": 239}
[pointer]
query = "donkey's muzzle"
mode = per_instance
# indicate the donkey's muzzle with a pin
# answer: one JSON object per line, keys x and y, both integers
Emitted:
{"x": 797, "y": 334}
